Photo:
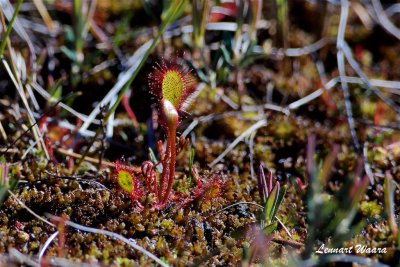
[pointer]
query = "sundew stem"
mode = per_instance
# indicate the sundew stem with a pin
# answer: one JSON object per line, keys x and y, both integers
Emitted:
{"x": 170, "y": 172}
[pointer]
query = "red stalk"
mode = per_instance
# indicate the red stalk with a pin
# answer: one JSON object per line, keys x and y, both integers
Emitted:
{"x": 171, "y": 117}
{"x": 171, "y": 144}
{"x": 172, "y": 85}
{"x": 164, "y": 176}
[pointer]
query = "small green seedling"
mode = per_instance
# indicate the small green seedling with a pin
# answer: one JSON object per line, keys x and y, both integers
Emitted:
{"x": 271, "y": 197}
{"x": 7, "y": 182}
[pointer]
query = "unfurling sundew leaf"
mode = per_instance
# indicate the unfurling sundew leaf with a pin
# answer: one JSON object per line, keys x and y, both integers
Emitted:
{"x": 170, "y": 81}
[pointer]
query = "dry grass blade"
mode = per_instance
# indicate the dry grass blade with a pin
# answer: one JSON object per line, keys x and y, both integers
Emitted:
{"x": 45, "y": 15}
{"x": 209, "y": 118}
{"x": 29, "y": 210}
{"x": 384, "y": 20}
{"x": 353, "y": 63}
{"x": 391, "y": 86}
{"x": 250, "y": 142}
{"x": 9, "y": 12}
{"x": 21, "y": 258}
{"x": 18, "y": 84}
{"x": 393, "y": 9}
{"x": 46, "y": 245}
{"x": 112, "y": 235}
{"x": 67, "y": 152}
{"x": 38, "y": 88}
{"x": 341, "y": 66}
{"x": 240, "y": 138}
{"x": 122, "y": 80}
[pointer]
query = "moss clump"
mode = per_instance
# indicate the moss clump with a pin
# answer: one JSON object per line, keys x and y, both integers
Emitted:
{"x": 284, "y": 130}
{"x": 370, "y": 209}
{"x": 167, "y": 224}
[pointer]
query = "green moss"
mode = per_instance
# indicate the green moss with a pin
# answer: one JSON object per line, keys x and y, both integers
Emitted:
{"x": 284, "y": 129}
{"x": 183, "y": 185}
{"x": 368, "y": 108}
{"x": 167, "y": 224}
{"x": 125, "y": 262}
{"x": 125, "y": 180}
{"x": 370, "y": 209}
{"x": 379, "y": 156}
{"x": 172, "y": 87}
{"x": 94, "y": 251}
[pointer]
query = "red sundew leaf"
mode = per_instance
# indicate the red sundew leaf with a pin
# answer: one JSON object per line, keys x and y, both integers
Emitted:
{"x": 379, "y": 112}
{"x": 172, "y": 82}
{"x": 123, "y": 176}
{"x": 358, "y": 52}
{"x": 205, "y": 191}
{"x": 210, "y": 189}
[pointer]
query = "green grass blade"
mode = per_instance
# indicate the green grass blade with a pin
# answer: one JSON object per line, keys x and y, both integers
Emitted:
{"x": 9, "y": 28}
{"x": 271, "y": 203}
